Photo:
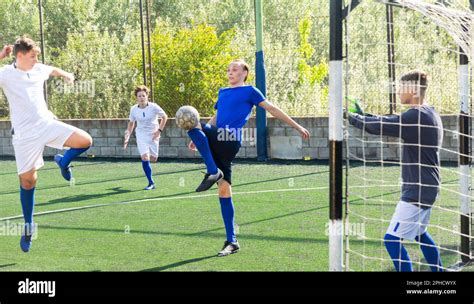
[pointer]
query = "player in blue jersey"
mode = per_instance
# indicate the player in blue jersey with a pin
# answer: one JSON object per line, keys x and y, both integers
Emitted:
{"x": 220, "y": 139}
{"x": 421, "y": 130}
{"x": 33, "y": 125}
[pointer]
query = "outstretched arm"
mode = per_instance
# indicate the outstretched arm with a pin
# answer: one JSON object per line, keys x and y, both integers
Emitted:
{"x": 68, "y": 77}
{"x": 377, "y": 125}
{"x": 6, "y": 51}
{"x": 279, "y": 114}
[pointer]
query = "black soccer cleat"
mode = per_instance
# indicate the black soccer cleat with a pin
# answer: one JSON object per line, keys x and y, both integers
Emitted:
{"x": 229, "y": 248}
{"x": 209, "y": 180}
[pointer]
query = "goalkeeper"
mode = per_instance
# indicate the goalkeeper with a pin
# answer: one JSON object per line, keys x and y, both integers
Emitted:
{"x": 421, "y": 129}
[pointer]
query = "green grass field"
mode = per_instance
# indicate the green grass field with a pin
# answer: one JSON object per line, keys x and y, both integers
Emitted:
{"x": 106, "y": 222}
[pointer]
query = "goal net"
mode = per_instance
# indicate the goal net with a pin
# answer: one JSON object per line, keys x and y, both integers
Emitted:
{"x": 382, "y": 41}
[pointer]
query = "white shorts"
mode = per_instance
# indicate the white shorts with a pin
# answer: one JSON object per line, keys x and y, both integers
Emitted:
{"x": 409, "y": 221}
{"x": 29, "y": 146}
{"x": 148, "y": 146}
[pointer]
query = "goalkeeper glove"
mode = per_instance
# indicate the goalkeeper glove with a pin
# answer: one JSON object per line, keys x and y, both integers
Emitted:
{"x": 354, "y": 106}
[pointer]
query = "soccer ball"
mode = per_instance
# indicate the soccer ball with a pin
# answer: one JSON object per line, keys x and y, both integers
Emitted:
{"x": 187, "y": 117}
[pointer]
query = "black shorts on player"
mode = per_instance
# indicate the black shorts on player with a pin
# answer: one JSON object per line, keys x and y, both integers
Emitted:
{"x": 223, "y": 148}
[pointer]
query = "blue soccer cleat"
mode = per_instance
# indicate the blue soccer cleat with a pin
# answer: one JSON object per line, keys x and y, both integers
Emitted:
{"x": 150, "y": 187}
{"x": 65, "y": 171}
{"x": 25, "y": 243}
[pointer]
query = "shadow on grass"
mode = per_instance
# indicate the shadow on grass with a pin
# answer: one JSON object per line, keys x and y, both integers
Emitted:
{"x": 85, "y": 197}
{"x": 66, "y": 185}
{"x": 198, "y": 234}
{"x": 118, "y": 190}
{"x": 177, "y": 264}
{"x": 216, "y": 232}
{"x": 52, "y": 168}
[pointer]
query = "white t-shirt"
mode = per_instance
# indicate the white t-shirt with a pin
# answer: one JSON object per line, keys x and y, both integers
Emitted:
{"x": 146, "y": 118}
{"x": 25, "y": 95}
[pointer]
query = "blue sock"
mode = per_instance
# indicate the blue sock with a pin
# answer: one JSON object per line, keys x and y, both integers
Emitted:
{"x": 227, "y": 209}
{"x": 27, "y": 198}
{"x": 431, "y": 253}
{"x": 147, "y": 169}
{"x": 202, "y": 144}
{"x": 71, "y": 154}
{"x": 398, "y": 253}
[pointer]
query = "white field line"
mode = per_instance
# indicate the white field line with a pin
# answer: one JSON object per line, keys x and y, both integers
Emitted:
{"x": 159, "y": 199}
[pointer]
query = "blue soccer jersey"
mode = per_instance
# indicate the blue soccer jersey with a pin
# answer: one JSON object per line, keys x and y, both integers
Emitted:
{"x": 234, "y": 106}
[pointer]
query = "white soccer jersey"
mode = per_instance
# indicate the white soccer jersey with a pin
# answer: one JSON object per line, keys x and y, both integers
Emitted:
{"x": 146, "y": 118}
{"x": 25, "y": 94}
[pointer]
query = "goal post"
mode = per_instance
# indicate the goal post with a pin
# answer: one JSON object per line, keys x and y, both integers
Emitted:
{"x": 454, "y": 18}
{"x": 335, "y": 136}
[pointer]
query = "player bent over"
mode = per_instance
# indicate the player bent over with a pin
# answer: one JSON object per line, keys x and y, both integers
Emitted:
{"x": 421, "y": 129}
{"x": 220, "y": 139}
{"x": 148, "y": 132}
{"x": 33, "y": 125}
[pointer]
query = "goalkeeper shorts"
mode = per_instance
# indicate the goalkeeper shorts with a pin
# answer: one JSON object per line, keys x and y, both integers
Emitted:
{"x": 409, "y": 221}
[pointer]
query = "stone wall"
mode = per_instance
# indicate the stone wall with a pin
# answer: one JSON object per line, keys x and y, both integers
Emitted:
{"x": 283, "y": 143}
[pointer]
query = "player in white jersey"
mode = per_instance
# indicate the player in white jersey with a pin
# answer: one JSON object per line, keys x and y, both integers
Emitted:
{"x": 146, "y": 114}
{"x": 33, "y": 125}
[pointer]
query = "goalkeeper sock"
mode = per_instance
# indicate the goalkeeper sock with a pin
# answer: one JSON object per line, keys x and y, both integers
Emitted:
{"x": 202, "y": 144}
{"x": 147, "y": 169}
{"x": 70, "y": 155}
{"x": 227, "y": 209}
{"x": 430, "y": 252}
{"x": 27, "y": 198}
{"x": 398, "y": 253}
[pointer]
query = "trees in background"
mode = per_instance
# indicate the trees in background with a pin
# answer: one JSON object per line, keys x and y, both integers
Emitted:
{"x": 194, "y": 40}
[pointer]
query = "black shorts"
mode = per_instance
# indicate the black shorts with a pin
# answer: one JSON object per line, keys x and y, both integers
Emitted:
{"x": 223, "y": 151}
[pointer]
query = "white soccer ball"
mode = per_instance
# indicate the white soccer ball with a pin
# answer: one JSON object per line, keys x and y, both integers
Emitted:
{"x": 187, "y": 118}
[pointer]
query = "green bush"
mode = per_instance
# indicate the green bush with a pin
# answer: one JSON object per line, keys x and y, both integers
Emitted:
{"x": 189, "y": 66}
{"x": 99, "y": 62}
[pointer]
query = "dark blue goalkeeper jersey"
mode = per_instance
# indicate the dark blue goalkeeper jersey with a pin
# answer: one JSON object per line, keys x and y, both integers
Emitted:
{"x": 421, "y": 130}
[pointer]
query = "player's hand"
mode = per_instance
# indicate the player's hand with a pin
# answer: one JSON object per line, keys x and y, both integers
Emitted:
{"x": 304, "y": 133}
{"x": 69, "y": 78}
{"x": 6, "y": 51}
{"x": 192, "y": 146}
{"x": 126, "y": 139}
{"x": 354, "y": 105}
{"x": 156, "y": 135}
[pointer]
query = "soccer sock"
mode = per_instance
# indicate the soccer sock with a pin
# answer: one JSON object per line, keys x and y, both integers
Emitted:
{"x": 27, "y": 198}
{"x": 227, "y": 209}
{"x": 70, "y": 155}
{"x": 431, "y": 252}
{"x": 147, "y": 168}
{"x": 398, "y": 253}
{"x": 202, "y": 144}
